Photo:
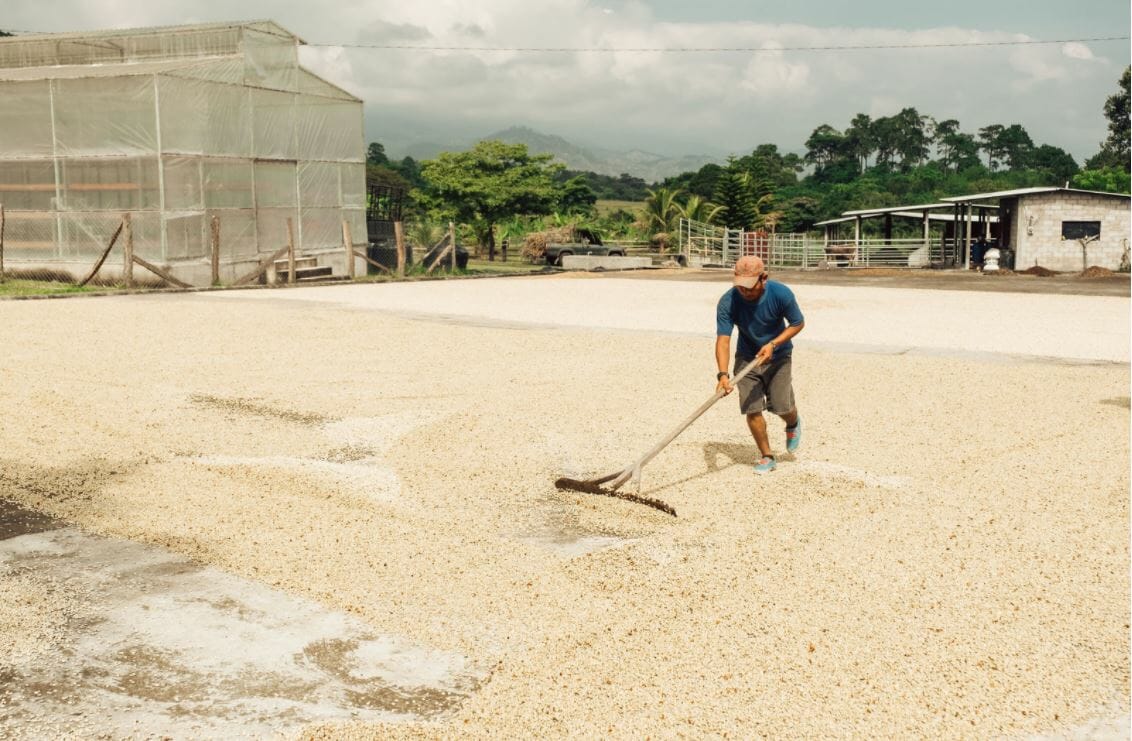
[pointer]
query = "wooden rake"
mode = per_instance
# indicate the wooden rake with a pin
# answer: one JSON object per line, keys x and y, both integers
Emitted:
{"x": 617, "y": 479}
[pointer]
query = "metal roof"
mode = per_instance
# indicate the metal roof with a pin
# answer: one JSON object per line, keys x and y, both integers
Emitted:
{"x": 894, "y": 209}
{"x": 1026, "y": 192}
{"x": 910, "y": 215}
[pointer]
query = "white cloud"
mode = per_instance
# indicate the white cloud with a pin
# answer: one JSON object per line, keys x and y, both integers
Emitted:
{"x": 1076, "y": 50}
{"x": 684, "y": 102}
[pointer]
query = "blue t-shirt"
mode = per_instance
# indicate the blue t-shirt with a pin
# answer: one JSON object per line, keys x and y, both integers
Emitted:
{"x": 759, "y": 321}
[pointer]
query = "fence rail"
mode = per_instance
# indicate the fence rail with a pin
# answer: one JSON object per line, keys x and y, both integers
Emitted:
{"x": 103, "y": 249}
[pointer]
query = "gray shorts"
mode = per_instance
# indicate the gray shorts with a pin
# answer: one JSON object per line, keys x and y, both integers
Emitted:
{"x": 768, "y": 387}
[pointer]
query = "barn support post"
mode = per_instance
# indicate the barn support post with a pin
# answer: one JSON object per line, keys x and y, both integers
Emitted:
{"x": 967, "y": 229}
{"x": 927, "y": 236}
{"x": 856, "y": 239}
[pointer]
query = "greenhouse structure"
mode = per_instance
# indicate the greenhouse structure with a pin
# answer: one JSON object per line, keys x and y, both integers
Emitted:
{"x": 212, "y": 138}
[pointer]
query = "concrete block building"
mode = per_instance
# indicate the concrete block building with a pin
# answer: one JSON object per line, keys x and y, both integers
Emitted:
{"x": 1045, "y": 226}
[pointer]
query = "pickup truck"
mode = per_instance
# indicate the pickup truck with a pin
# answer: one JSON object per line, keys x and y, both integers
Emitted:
{"x": 590, "y": 244}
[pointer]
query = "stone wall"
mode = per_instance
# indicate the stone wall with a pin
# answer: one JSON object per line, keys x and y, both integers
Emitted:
{"x": 1038, "y": 230}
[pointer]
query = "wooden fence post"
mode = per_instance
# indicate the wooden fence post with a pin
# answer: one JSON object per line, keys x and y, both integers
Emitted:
{"x": 128, "y": 266}
{"x": 399, "y": 235}
{"x": 2, "y": 225}
{"x": 346, "y": 237}
{"x": 290, "y": 250}
{"x": 215, "y": 239}
{"x": 452, "y": 242}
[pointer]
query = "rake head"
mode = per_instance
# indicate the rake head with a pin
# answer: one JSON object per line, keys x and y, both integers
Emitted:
{"x": 594, "y": 487}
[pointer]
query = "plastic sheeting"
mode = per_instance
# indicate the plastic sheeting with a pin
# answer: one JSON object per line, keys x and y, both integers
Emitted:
{"x": 175, "y": 126}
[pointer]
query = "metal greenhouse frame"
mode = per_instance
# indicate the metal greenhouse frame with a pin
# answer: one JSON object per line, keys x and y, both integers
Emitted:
{"x": 212, "y": 138}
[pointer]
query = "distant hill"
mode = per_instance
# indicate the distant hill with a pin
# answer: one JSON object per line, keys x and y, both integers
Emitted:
{"x": 648, "y": 166}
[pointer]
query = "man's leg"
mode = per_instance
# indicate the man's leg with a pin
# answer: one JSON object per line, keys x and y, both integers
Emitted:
{"x": 757, "y": 424}
{"x": 780, "y": 395}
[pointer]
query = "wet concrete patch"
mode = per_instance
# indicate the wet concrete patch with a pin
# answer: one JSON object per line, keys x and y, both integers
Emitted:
{"x": 559, "y": 529}
{"x": 165, "y": 647}
{"x": 16, "y": 521}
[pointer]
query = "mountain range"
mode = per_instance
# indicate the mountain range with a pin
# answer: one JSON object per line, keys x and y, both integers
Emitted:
{"x": 650, "y": 167}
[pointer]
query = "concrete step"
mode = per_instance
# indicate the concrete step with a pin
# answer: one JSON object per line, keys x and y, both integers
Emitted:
{"x": 300, "y": 262}
{"x": 314, "y": 272}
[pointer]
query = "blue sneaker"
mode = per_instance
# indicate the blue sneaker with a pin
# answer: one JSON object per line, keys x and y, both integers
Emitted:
{"x": 794, "y": 436}
{"x": 766, "y": 464}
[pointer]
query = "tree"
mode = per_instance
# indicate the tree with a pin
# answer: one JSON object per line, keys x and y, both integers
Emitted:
{"x": 1054, "y": 164}
{"x": 381, "y": 175}
{"x": 957, "y": 150}
{"x": 799, "y": 214}
{"x": 662, "y": 212}
{"x": 410, "y": 169}
{"x": 825, "y": 145}
{"x": 1016, "y": 146}
{"x": 859, "y": 139}
{"x": 990, "y": 141}
{"x": 1106, "y": 179}
{"x": 699, "y": 209}
{"x": 1115, "y": 149}
{"x": 914, "y": 137}
{"x": 491, "y": 182}
{"x": 375, "y": 155}
{"x": 577, "y": 197}
{"x": 768, "y": 170}
{"x": 734, "y": 196}
{"x": 885, "y": 136}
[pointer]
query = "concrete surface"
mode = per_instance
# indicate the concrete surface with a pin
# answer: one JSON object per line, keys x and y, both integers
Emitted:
{"x": 153, "y": 644}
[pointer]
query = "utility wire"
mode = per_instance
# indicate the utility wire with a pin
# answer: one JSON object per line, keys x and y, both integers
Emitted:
{"x": 707, "y": 49}
{"x": 687, "y": 49}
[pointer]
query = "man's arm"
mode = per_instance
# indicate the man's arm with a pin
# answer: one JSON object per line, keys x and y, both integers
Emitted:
{"x": 766, "y": 352}
{"x": 722, "y": 358}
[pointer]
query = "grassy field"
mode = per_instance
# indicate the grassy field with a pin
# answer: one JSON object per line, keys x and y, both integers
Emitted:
{"x": 605, "y": 208}
{"x": 14, "y": 287}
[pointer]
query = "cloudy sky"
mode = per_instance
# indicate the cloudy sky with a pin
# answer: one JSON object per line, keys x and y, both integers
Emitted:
{"x": 777, "y": 89}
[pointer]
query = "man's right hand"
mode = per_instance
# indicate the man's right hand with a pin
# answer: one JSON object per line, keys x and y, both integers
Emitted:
{"x": 724, "y": 385}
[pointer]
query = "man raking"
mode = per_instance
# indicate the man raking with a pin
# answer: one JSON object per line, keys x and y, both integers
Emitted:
{"x": 767, "y": 316}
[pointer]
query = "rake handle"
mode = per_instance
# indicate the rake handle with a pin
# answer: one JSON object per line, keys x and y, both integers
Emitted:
{"x": 627, "y": 474}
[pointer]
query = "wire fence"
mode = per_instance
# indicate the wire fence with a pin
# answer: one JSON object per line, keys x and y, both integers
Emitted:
{"x": 144, "y": 250}
{"x": 707, "y": 245}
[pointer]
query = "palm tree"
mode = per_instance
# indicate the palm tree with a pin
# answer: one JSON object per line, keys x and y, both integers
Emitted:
{"x": 699, "y": 209}
{"x": 662, "y": 212}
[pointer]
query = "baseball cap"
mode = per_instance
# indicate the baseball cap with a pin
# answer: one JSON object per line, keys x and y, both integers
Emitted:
{"x": 748, "y": 270}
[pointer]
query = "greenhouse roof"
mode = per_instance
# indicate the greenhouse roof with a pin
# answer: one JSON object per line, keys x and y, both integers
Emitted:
{"x": 109, "y": 70}
{"x": 136, "y": 44}
{"x": 111, "y": 33}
